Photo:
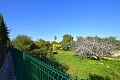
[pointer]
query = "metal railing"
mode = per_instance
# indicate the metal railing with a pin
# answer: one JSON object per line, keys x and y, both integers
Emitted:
{"x": 29, "y": 68}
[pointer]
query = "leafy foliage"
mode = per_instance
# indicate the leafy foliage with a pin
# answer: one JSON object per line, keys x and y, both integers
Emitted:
{"x": 66, "y": 42}
{"x": 3, "y": 31}
{"x": 55, "y": 37}
{"x": 43, "y": 50}
{"x": 56, "y": 47}
{"x": 97, "y": 77}
{"x": 23, "y": 43}
{"x": 4, "y": 37}
{"x": 40, "y": 49}
{"x": 112, "y": 40}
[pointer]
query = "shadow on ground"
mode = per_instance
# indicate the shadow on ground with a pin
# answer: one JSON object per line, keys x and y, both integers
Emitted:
{"x": 97, "y": 77}
{"x": 56, "y": 64}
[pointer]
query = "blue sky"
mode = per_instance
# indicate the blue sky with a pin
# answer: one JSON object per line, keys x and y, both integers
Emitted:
{"x": 48, "y": 18}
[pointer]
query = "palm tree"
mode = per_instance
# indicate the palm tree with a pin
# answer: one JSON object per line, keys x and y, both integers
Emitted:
{"x": 55, "y": 37}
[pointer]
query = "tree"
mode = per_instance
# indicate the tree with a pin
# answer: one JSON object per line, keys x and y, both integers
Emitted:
{"x": 56, "y": 47}
{"x": 90, "y": 47}
{"x": 79, "y": 38}
{"x": 55, "y": 37}
{"x": 3, "y": 31}
{"x": 3, "y": 39}
{"x": 112, "y": 40}
{"x": 44, "y": 49}
{"x": 23, "y": 43}
{"x": 97, "y": 38}
{"x": 66, "y": 42}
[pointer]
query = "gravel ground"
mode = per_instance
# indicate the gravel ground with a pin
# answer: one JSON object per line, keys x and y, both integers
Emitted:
{"x": 7, "y": 70}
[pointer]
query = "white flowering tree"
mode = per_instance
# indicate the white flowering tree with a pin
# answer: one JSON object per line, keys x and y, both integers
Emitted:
{"x": 93, "y": 47}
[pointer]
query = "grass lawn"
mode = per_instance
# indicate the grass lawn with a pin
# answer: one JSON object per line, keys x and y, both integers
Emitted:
{"x": 83, "y": 67}
{"x": 118, "y": 57}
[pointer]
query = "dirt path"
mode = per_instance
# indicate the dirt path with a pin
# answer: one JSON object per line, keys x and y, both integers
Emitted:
{"x": 7, "y": 71}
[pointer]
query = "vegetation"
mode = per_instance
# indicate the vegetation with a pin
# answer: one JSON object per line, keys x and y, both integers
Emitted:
{"x": 55, "y": 37}
{"x": 66, "y": 42}
{"x": 80, "y": 67}
{"x": 41, "y": 49}
{"x": 74, "y": 57}
{"x": 56, "y": 47}
{"x": 22, "y": 43}
{"x": 4, "y": 38}
{"x": 93, "y": 47}
{"x": 85, "y": 68}
{"x": 44, "y": 49}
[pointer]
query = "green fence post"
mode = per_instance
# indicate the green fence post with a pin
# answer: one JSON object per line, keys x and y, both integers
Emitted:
{"x": 30, "y": 68}
{"x": 24, "y": 55}
{"x": 23, "y": 66}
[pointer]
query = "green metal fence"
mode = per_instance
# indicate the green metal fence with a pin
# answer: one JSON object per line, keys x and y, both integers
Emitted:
{"x": 29, "y": 68}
